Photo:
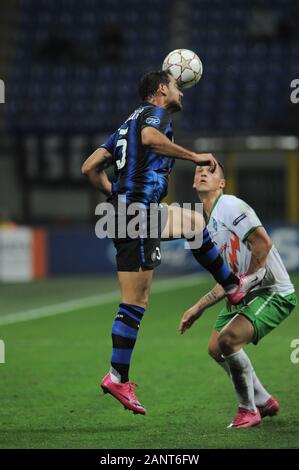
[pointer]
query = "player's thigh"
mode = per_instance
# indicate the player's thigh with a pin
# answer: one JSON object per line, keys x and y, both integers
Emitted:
{"x": 182, "y": 223}
{"x": 213, "y": 346}
{"x": 236, "y": 334}
{"x": 135, "y": 286}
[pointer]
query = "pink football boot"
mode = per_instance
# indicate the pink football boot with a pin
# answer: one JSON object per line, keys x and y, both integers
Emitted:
{"x": 246, "y": 418}
{"x": 123, "y": 392}
{"x": 247, "y": 282}
{"x": 270, "y": 408}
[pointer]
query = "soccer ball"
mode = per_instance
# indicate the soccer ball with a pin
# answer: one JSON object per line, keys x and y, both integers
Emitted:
{"x": 185, "y": 66}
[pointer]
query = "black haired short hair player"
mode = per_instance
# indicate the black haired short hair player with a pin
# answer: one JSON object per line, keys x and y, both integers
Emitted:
{"x": 143, "y": 153}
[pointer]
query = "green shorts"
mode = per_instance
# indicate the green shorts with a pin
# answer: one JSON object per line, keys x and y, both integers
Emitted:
{"x": 265, "y": 310}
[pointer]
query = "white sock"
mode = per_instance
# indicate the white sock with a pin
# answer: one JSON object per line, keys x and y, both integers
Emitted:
{"x": 260, "y": 393}
{"x": 225, "y": 366}
{"x": 241, "y": 374}
{"x": 261, "y": 396}
{"x": 114, "y": 375}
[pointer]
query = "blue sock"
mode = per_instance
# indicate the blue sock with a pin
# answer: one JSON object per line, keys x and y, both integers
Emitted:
{"x": 209, "y": 258}
{"x": 124, "y": 334}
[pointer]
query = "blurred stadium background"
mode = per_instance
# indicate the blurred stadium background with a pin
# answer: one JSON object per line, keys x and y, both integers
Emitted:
{"x": 70, "y": 70}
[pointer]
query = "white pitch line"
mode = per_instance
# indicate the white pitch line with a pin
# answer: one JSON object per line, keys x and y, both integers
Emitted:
{"x": 94, "y": 300}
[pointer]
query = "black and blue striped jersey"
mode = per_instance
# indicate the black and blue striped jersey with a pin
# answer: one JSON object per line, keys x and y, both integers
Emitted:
{"x": 140, "y": 174}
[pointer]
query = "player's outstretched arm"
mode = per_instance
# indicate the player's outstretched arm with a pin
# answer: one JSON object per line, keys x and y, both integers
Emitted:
{"x": 195, "y": 312}
{"x": 94, "y": 168}
{"x": 162, "y": 145}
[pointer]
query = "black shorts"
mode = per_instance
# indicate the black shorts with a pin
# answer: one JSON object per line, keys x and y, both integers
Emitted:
{"x": 133, "y": 254}
{"x": 142, "y": 251}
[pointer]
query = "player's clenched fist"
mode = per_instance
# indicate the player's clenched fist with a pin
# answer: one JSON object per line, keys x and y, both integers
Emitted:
{"x": 206, "y": 159}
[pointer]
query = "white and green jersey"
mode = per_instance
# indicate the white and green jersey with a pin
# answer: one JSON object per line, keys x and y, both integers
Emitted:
{"x": 230, "y": 222}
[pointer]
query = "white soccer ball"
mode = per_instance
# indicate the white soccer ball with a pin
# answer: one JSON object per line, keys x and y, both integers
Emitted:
{"x": 185, "y": 66}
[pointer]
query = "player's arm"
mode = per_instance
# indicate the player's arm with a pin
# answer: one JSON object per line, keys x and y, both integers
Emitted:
{"x": 242, "y": 220}
{"x": 160, "y": 144}
{"x": 94, "y": 168}
{"x": 260, "y": 244}
{"x": 195, "y": 312}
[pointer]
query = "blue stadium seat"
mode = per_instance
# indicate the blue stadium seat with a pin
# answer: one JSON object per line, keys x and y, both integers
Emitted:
{"x": 86, "y": 92}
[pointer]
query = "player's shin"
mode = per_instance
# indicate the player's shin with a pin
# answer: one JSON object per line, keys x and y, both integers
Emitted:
{"x": 242, "y": 377}
{"x": 261, "y": 396}
{"x": 124, "y": 334}
{"x": 225, "y": 367}
{"x": 209, "y": 258}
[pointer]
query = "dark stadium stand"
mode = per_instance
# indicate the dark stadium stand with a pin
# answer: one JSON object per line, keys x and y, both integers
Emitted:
{"x": 76, "y": 68}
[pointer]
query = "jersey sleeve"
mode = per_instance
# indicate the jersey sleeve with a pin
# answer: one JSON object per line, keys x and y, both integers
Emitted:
{"x": 238, "y": 216}
{"x": 109, "y": 144}
{"x": 156, "y": 117}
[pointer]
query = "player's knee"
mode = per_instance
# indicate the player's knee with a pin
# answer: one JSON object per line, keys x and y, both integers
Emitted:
{"x": 135, "y": 295}
{"x": 142, "y": 298}
{"x": 213, "y": 351}
{"x": 145, "y": 301}
{"x": 226, "y": 342}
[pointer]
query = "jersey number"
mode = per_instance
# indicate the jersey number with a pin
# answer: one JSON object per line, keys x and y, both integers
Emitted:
{"x": 122, "y": 143}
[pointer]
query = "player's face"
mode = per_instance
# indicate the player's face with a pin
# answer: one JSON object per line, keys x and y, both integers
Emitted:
{"x": 174, "y": 96}
{"x": 205, "y": 180}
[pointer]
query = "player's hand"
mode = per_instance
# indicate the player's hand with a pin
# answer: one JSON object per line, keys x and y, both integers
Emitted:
{"x": 189, "y": 317}
{"x": 206, "y": 159}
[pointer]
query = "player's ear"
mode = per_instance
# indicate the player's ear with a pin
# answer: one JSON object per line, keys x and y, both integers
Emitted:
{"x": 162, "y": 88}
{"x": 222, "y": 183}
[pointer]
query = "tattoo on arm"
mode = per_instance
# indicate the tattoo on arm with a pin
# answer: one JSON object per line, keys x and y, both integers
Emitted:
{"x": 214, "y": 296}
{"x": 211, "y": 296}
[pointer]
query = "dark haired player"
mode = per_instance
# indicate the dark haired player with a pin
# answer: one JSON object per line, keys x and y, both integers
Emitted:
{"x": 143, "y": 153}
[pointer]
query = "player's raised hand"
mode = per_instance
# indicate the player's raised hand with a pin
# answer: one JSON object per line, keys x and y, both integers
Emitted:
{"x": 206, "y": 159}
{"x": 189, "y": 317}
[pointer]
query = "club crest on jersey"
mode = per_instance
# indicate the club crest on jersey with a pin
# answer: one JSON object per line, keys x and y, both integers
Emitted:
{"x": 238, "y": 219}
{"x": 215, "y": 225}
{"x": 154, "y": 120}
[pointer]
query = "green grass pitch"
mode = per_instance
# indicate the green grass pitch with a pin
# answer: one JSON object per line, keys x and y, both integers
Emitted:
{"x": 49, "y": 384}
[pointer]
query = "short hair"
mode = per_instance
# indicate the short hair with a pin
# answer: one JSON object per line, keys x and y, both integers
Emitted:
{"x": 150, "y": 82}
{"x": 223, "y": 171}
